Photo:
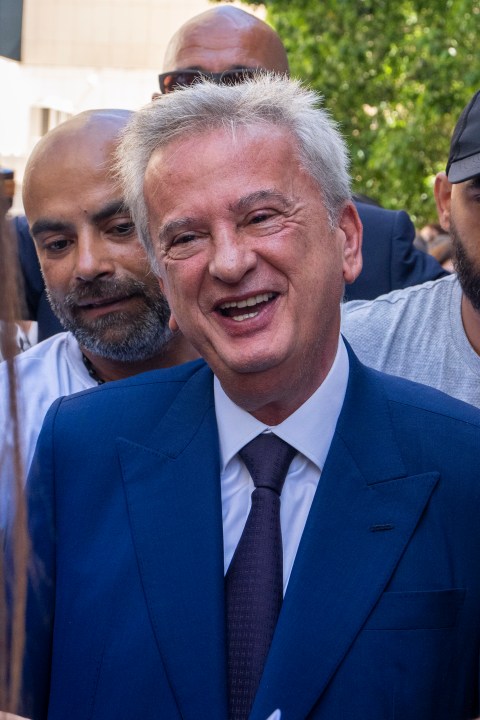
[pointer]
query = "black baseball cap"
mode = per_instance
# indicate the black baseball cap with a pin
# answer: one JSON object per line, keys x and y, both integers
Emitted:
{"x": 464, "y": 159}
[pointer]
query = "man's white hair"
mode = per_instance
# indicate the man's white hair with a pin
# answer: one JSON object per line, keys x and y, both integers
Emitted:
{"x": 265, "y": 100}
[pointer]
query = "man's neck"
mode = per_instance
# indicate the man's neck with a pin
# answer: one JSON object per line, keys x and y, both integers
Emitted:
{"x": 471, "y": 323}
{"x": 272, "y": 396}
{"x": 175, "y": 352}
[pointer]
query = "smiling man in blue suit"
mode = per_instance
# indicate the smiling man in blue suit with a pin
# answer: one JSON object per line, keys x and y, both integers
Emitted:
{"x": 174, "y": 577}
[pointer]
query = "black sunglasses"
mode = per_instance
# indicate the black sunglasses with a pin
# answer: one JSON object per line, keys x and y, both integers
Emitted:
{"x": 170, "y": 81}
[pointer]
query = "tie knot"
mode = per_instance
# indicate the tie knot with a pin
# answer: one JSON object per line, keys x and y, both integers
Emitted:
{"x": 267, "y": 458}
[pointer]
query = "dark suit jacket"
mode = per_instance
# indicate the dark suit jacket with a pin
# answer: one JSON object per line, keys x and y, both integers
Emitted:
{"x": 391, "y": 261}
{"x": 381, "y": 618}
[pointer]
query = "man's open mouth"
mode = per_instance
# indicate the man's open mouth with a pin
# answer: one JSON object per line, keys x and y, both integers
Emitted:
{"x": 240, "y": 310}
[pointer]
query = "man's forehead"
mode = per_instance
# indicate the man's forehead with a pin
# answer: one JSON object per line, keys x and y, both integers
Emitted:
{"x": 77, "y": 161}
{"x": 221, "y": 139}
{"x": 71, "y": 183}
{"x": 240, "y": 165}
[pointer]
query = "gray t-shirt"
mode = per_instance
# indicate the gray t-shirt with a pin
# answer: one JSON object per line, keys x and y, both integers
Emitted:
{"x": 417, "y": 333}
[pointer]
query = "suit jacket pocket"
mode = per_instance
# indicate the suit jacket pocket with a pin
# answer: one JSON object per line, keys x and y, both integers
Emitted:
{"x": 416, "y": 610}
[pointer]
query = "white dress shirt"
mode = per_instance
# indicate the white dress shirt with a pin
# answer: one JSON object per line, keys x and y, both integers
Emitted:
{"x": 309, "y": 430}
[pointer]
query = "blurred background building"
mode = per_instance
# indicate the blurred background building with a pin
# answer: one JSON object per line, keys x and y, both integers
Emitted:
{"x": 59, "y": 57}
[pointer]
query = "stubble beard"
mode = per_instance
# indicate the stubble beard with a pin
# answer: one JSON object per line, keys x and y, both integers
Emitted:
{"x": 119, "y": 336}
{"x": 467, "y": 272}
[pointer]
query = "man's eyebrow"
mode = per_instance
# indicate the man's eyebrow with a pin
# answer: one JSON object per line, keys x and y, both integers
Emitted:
{"x": 174, "y": 226}
{"x": 115, "y": 207}
{"x": 245, "y": 202}
{"x": 42, "y": 225}
{"x": 49, "y": 225}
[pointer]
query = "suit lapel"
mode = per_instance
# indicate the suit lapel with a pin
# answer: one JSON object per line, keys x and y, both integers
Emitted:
{"x": 173, "y": 494}
{"x": 363, "y": 515}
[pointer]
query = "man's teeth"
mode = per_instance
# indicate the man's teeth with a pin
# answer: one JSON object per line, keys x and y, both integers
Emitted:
{"x": 239, "y": 318}
{"x": 228, "y": 308}
{"x": 249, "y": 302}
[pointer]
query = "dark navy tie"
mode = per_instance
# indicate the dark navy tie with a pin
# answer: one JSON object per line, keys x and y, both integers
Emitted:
{"x": 254, "y": 580}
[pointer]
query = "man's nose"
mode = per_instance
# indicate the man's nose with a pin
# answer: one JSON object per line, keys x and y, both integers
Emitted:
{"x": 232, "y": 257}
{"x": 92, "y": 257}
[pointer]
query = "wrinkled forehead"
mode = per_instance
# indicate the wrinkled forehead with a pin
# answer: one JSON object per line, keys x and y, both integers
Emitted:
{"x": 258, "y": 161}
{"x": 77, "y": 184}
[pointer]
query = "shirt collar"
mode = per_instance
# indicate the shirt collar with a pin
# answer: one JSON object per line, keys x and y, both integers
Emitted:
{"x": 309, "y": 429}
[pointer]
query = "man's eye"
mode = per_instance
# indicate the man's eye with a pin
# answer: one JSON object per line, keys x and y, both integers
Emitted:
{"x": 56, "y": 246}
{"x": 183, "y": 239}
{"x": 260, "y": 217}
{"x": 123, "y": 229}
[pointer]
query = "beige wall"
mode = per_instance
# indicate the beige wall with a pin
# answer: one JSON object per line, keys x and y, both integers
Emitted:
{"x": 83, "y": 54}
{"x": 130, "y": 34}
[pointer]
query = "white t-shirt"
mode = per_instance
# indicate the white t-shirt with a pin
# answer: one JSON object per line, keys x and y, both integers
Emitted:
{"x": 45, "y": 372}
{"x": 417, "y": 333}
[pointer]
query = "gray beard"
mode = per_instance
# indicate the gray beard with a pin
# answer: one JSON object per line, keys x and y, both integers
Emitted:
{"x": 119, "y": 336}
{"x": 467, "y": 272}
{"x": 141, "y": 339}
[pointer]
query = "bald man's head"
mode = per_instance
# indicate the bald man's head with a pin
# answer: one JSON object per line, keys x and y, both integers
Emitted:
{"x": 89, "y": 135}
{"x": 225, "y": 38}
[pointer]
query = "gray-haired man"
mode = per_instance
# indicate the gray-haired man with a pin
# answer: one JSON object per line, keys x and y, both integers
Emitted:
{"x": 166, "y": 551}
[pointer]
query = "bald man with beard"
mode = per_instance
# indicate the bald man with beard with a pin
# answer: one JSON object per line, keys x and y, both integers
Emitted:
{"x": 230, "y": 44}
{"x": 97, "y": 275}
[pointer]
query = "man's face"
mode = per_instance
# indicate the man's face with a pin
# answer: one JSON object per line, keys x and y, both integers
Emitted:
{"x": 96, "y": 272}
{"x": 459, "y": 212}
{"x": 251, "y": 267}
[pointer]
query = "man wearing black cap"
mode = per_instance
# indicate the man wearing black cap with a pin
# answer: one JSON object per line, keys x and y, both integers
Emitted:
{"x": 431, "y": 333}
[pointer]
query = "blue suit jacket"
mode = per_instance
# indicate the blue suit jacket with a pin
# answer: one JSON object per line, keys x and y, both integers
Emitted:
{"x": 381, "y": 617}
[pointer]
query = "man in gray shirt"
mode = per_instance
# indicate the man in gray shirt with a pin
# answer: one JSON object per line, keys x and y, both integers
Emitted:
{"x": 431, "y": 332}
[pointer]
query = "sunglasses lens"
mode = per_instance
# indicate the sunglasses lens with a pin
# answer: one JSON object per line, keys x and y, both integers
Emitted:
{"x": 172, "y": 81}
{"x": 235, "y": 77}
{"x": 184, "y": 78}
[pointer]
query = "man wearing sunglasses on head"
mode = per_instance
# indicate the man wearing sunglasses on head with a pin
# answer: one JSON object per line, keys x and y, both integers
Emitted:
{"x": 229, "y": 45}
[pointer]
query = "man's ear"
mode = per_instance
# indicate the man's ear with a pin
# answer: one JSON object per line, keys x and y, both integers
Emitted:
{"x": 172, "y": 323}
{"x": 443, "y": 198}
{"x": 351, "y": 226}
